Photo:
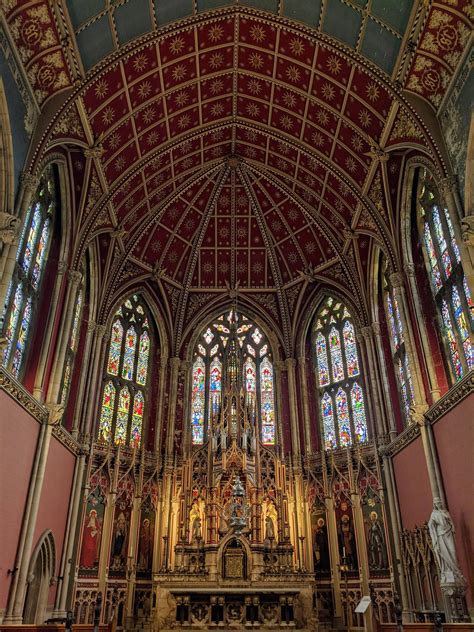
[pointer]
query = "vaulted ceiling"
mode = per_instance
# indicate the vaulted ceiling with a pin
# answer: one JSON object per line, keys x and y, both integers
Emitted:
{"x": 237, "y": 149}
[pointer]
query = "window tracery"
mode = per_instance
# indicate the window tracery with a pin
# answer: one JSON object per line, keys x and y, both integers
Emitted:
{"x": 232, "y": 351}
{"x": 72, "y": 346}
{"x": 341, "y": 394}
{"x": 126, "y": 377}
{"x": 447, "y": 280}
{"x": 31, "y": 258}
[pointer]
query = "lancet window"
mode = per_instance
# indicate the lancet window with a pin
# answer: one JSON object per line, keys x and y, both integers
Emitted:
{"x": 232, "y": 355}
{"x": 339, "y": 374}
{"x": 31, "y": 258}
{"x": 448, "y": 283}
{"x": 397, "y": 345}
{"x": 126, "y": 379}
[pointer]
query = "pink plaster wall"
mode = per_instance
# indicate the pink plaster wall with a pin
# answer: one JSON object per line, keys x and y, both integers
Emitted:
{"x": 413, "y": 487}
{"x": 54, "y": 503}
{"x": 18, "y": 438}
{"x": 454, "y": 436}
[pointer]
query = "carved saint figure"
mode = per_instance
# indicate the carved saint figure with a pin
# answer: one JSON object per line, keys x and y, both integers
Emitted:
{"x": 195, "y": 522}
{"x": 375, "y": 542}
{"x": 91, "y": 540}
{"x": 348, "y": 546}
{"x": 269, "y": 531}
{"x": 321, "y": 546}
{"x": 120, "y": 537}
{"x": 144, "y": 545}
{"x": 442, "y": 531}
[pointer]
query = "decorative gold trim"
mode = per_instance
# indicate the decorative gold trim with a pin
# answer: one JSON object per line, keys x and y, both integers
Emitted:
{"x": 404, "y": 438}
{"x": 456, "y": 394}
{"x": 63, "y": 436}
{"x": 18, "y": 392}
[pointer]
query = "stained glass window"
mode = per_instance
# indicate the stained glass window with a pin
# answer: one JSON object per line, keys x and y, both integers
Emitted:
{"x": 397, "y": 340}
{"x": 198, "y": 401}
{"x": 31, "y": 257}
{"x": 342, "y": 400}
{"x": 448, "y": 283}
{"x": 232, "y": 356}
{"x": 123, "y": 407}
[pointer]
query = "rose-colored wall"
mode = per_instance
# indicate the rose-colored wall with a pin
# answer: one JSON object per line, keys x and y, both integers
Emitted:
{"x": 18, "y": 438}
{"x": 454, "y": 436}
{"x": 54, "y": 503}
{"x": 413, "y": 487}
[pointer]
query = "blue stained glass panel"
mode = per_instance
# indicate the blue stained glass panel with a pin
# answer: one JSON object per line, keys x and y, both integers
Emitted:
{"x": 350, "y": 347}
{"x": 129, "y": 354}
{"x": 75, "y": 324}
{"x": 137, "y": 420}
{"x": 115, "y": 348}
{"x": 435, "y": 273}
{"x": 215, "y": 385}
{"x": 322, "y": 358}
{"x": 40, "y": 255}
{"x": 330, "y": 441}
{"x": 462, "y": 328}
{"x": 21, "y": 339}
{"x": 122, "y": 417}
{"x": 393, "y": 327}
{"x": 31, "y": 241}
{"x": 13, "y": 320}
{"x": 343, "y": 423}
{"x": 142, "y": 362}
{"x": 198, "y": 401}
{"x": 336, "y": 356}
{"x": 107, "y": 412}
{"x": 454, "y": 244}
{"x": 451, "y": 338}
{"x": 358, "y": 410}
{"x": 267, "y": 404}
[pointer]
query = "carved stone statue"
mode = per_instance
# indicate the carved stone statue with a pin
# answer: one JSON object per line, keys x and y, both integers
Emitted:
{"x": 442, "y": 531}
{"x": 269, "y": 531}
{"x": 196, "y": 532}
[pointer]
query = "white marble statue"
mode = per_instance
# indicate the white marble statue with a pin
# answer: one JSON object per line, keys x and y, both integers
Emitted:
{"x": 442, "y": 531}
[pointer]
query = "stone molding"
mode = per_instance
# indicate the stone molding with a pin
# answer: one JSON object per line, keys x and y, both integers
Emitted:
{"x": 63, "y": 436}
{"x": 18, "y": 392}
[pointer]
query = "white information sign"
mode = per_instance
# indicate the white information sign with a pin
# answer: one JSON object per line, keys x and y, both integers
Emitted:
{"x": 363, "y": 604}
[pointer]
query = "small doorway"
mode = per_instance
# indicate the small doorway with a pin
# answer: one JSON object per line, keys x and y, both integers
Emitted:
{"x": 235, "y": 561}
{"x": 40, "y": 573}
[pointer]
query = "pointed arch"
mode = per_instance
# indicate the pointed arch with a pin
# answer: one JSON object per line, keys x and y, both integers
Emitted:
{"x": 41, "y": 570}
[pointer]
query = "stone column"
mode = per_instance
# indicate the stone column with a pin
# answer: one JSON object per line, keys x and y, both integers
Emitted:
{"x": 305, "y": 395}
{"x": 279, "y": 367}
{"x": 186, "y": 370}
{"x": 334, "y": 558}
{"x": 175, "y": 363}
{"x": 84, "y": 377}
{"x": 294, "y": 421}
{"x": 396, "y": 279}
{"x": 421, "y": 325}
{"x": 367, "y": 339}
{"x": 159, "y": 409}
{"x": 385, "y": 388}
{"x": 396, "y": 529}
{"x": 66, "y": 570}
{"x": 74, "y": 278}
{"x": 107, "y": 527}
{"x": 93, "y": 387}
{"x": 133, "y": 550}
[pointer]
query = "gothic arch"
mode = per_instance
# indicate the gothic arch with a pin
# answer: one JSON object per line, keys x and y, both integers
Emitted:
{"x": 221, "y": 551}
{"x": 41, "y": 572}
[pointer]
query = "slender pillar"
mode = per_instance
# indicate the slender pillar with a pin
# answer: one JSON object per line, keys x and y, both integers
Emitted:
{"x": 73, "y": 278}
{"x": 161, "y": 399}
{"x": 107, "y": 527}
{"x": 421, "y": 325}
{"x": 367, "y": 338}
{"x": 305, "y": 401}
{"x": 294, "y": 421}
{"x": 279, "y": 367}
{"x": 385, "y": 388}
{"x": 175, "y": 363}
{"x": 396, "y": 279}
{"x": 93, "y": 386}
{"x": 84, "y": 377}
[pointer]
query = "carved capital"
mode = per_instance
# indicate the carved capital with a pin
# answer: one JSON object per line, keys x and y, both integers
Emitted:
{"x": 96, "y": 151}
{"x": 29, "y": 181}
{"x": 91, "y": 325}
{"x": 175, "y": 362}
{"x": 467, "y": 230}
{"x": 376, "y": 328}
{"x": 186, "y": 365}
{"x": 349, "y": 234}
{"x": 279, "y": 365}
{"x": 62, "y": 267}
{"x": 447, "y": 185}
{"x": 417, "y": 414}
{"x": 100, "y": 331}
{"x": 307, "y": 274}
{"x": 158, "y": 273}
{"x": 366, "y": 332}
{"x": 396, "y": 279}
{"x": 377, "y": 153}
{"x": 9, "y": 227}
{"x": 410, "y": 269}
{"x": 290, "y": 363}
{"x": 56, "y": 412}
{"x": 74, "y": 277}
{"x": 119, "y": 231}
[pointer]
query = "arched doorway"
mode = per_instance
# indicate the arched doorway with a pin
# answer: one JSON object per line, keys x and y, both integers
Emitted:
{"x": 40, "y": 573}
